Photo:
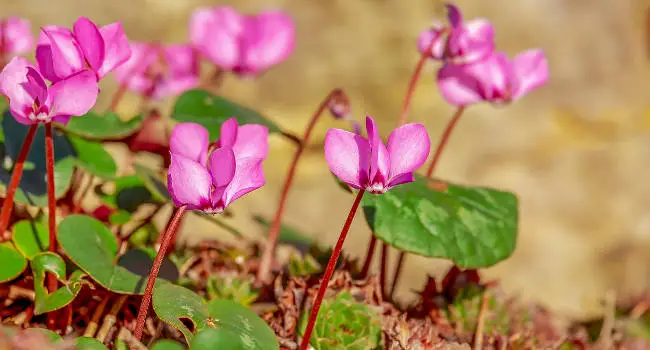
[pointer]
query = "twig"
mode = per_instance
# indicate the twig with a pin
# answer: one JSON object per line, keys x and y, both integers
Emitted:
{"x": 188, "y": 264}
{"x": 91, "y": 329}
{"x": 480, "y": 323}
{"x": 126, "y": 336}
{"x": 605, "y": 338}
{"x": 111, "y": 318}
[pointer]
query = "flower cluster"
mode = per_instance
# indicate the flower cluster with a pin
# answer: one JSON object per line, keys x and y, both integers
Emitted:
{"x": 472, "y": 70}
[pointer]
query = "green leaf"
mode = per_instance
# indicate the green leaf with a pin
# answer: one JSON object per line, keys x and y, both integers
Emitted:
{"x": 47, "y": 302}
{"x": 33, "y": 186}
{"x": 153, "y": 182}
{"x": 130, "y": 192}
{"x": 88, "y": 343}
{"x": 93, "y": 158}
{"x": 211, "y": 111}
{"x": 243, "y": 323}
{"x": 173, "y": 304}
{"x": 140, "y": 261}
{"x": 92, "y": 247}
{"x": 12, "y": 261}
{"x": 217, "y": 338}
{"x": 472, "y": 226}
{"x": 166, "y": 344}
{"x": 103, "y": 127}
{"x": 48, "y": 334}
{"x": 31, "y": 238}
{"x": 120, "y": 217}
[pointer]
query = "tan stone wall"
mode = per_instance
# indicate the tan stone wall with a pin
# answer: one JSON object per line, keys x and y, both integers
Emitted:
{"x": 577, "y": 151}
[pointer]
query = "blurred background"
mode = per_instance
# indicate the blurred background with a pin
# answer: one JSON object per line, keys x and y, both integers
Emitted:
{"x": 576, "y": 151}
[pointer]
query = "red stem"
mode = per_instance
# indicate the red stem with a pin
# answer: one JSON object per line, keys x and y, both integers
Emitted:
{"x": 382, "y": 271}
{"x": 146, "y": 299}
{"x": 415, "y": 77}
{"x": 329, "y": 271}
{"x": 264, "y": 271}
{"x": 371, "y": 251}
{"x": 436, "y": 157}
{"x": 16, "y": 174}
{"x": 52, "y": 283}
{"x": 117, "y": 97}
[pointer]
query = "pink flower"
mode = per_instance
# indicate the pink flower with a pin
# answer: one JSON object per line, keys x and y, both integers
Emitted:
{"x": 497, "y": 79}
{"x": 369, "y": 164}
{"x": 62, "y": 52}
{"x": 31, "y": 101}
{"x": 461, "y": 42}
{"x": 211, "y": 182}
{"x": 247, "y": 45}
{"x": 16, "y": 36}
{"x": 158, "y": 72}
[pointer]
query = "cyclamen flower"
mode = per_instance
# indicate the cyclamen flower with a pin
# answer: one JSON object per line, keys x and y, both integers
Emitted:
{"x": 62, "y": 52}
{"x": 159, "y": 71}
{"x": 461, "y": 42}
{"x": 246, "y": 45}
{"x": 496, "y": 79}
{"x": 16, "y": 36}
{"x": 369, "y": 164}
{"x": 211, "y": 182}
{"x": 31, "y": 101}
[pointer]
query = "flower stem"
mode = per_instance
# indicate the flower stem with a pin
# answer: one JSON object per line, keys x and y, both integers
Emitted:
{"x": 382, "y": 269}
{"x": 329, "y": 271}
{"x": 415, "y": 77}
{"x": 436, "y": 157}
{"x": 371, "y": 251}
{"x": 52, "y": 283}
{"x": 16, "y": 174}
{"x": 264, "y": 271}
{"x": 146, "y": 299}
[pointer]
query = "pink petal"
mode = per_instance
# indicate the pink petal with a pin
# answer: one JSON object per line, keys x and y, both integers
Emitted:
{"x": 458, "y": 85}
{"x": 67, "y": 57}
{"x": 228, "y": 133}
{"x": 189, "y": 183}
{"x": 45, "y": 64}
{"x": 90, "y": 42}
{"x": 35, "y": 86}
{"x": 268, "y": 40}
{"x": 43, "y": 39}
{"x": 454, "y": 16}
{"x": 12, "y": 81}
{"x": 181, "y": 60}
{"x": 221, "y": 44}
{"x": 473, "y": 43}
{"x": 170, "y": 86}
{"x": 531, "y": 71}
{"x": 252, "y": 141}
{"x": 75, "y": 95}
{"x": 249, "y": 176}
{"x": 116, "y": 48}
{"x": 200, "y": 25}
{"x": 142, "y": 56}
{"x": 348, "y": 157}
{"x": 432, "y": 34}
{"x": 408, "y": 148}
{"x": 17, "y": 35}
{"x": 222, "y": 166}
{"x": 190, "y": 140}
{"x": 380, "y": 161}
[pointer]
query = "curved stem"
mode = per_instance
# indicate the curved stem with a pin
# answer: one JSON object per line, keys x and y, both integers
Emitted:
{"x": 371, "y": 251}
{"x": 155, "y": 269}
{"x": 52, "y": 283}
{"x": 382, "y": 269}
{"x": 264, "y": 271}
{"x": 329, "y": 271}
{"x": 16, "y": 174}
{"x": 415, "y": 77}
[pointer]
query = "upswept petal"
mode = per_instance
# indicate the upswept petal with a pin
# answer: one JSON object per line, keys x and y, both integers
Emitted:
{"x": 191, "y": 140}
{"x": 228, "y": 133}
{"x": 45, "y": 64}
{"x": 408, "y": 148}
{"x": 167, "y": 87}
{"x": 12, "y": 80}
{"x": 181, "y": 60}
{"x": 222, "y": 166}
{"x": 222, "y": 43}
{"x": 189, "y": 183}
{"x": 90, "y": 42}
{"x": 200, "y": 25}
{"x": 252, "y": 141}
{"x": 249, "y": 176}
{"x": 435, "y": 33}
{"x": 474, "y": 43}
{"x": 116, "y": 48}
{"x": 142, "y": 56}
{"x": 268, "y": 40}
{"x": 454, "y": 15}
{"x": 35, "y": 86}
{"x": 459, "y": 86}
{"x": 348, "y": 157}
{"x": 379, "y": 159}
{"x": 531, "y": 71}
{"x": 67, "y": 57}
{"x": 75, "y": 95}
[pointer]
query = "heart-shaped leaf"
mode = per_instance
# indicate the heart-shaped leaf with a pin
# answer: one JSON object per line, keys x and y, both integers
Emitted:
{"x": 47, "y": 302}
{"x": 179, "y": 306}
{"x": 31, "y": 238}
{"x": 472, "y": 226}
{"x": 103, "y": 127}
{"x": 33, "y": 186}
{"x": 217, "y": 338}
{"x": 166, "y": 344}
{"x": 129, "y": 193}
{"x": 211, "y": 111}
{"x": 93, "y": 158}
{"x": 88, "y": 343}
{"x": 92, "y": 247}
{"x": 12, "y": 261}
{"x": 175, "y": 305}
